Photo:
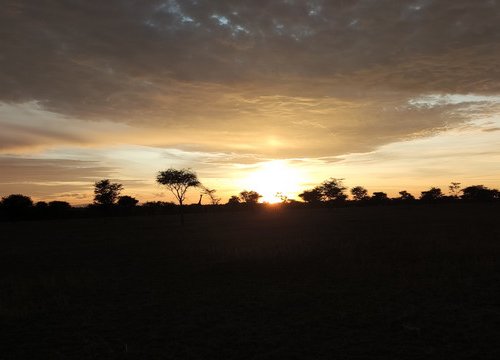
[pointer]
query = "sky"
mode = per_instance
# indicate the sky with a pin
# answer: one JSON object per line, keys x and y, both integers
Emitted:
{"x": 272, "y": 96}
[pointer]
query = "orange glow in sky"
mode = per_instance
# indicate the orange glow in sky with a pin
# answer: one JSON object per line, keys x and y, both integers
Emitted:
{"x": 389, "y": 95}
{"x": 274, "y": 177}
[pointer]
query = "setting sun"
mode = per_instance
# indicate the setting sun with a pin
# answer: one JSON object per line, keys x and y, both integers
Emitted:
{"x": 274, "y": 177}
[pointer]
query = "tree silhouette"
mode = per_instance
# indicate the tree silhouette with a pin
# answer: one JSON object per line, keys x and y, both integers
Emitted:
{"x": 106, "y": 193}
{"x": 127, "y": 201}
{"x": 59, "y": 206}
{"x": 178, "y": 182}
{"x": 480, "y": 193}
{"x": 406, "y": 196}
{"x": 233, "y": 200}
{"x": 333, "y": 190}
{"x": 433, "y": 194}
{"x": 250, "y": 197}
{"x": 359, "y": 193}
{"x": 41, "y": 205}
{"x": 379, "y": 197}
{"x": 313, "y": 196}
{"x": 16, "y": 205}
{"x": 284, "y": 199}
{"x": 454, "y": 189}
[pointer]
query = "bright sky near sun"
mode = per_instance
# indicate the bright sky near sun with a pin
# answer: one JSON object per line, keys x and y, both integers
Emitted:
{"x": 273, "y": 97}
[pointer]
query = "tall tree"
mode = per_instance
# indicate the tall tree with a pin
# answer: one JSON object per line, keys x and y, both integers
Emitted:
{"x": 106, "y": 193}
{"x": 178, "y": 182}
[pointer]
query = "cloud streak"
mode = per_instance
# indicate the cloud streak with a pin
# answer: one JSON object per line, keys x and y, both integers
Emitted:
{"x": 179, "y": 62}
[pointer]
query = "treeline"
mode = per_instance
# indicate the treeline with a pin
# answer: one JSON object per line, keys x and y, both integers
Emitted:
{"x": 21, "y": 207}
{"x": 334, "y": 191}
{"x": 108, "y": 200}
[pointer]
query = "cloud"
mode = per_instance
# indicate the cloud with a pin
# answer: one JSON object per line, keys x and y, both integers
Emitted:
{"x": 51, "y": 178}
{"x": 247, "y": 81}
{"x": 15, "y": 169}
{"x": 28, "y": 127}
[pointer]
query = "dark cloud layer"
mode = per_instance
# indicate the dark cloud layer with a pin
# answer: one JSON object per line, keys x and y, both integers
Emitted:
{"x": 329, "y": 77}
{"x": 50, "y": 178}
{"x": 49, "y": 171}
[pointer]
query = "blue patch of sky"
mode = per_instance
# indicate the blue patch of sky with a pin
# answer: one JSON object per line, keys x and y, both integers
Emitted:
{"x": 171, "y": 7}
{"x": 222, "y": 20}
{"x": 314, "y": 9}
{"x": 225, "y": 22}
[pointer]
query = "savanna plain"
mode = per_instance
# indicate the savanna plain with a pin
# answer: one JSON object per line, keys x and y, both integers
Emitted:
{"x": 380, "y": 282}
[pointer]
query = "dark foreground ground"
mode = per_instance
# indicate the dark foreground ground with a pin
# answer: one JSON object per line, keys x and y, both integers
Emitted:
{"x": 357, "y": 283}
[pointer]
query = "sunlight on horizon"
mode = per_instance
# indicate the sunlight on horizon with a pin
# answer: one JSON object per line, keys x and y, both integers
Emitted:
{"x": 272, "y": 177}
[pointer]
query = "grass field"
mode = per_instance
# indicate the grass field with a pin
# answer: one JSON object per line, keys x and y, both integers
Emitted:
{"x": 416, "y": 282}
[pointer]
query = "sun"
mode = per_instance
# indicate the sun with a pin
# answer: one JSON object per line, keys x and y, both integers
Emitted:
{"x": 274, "y": 177}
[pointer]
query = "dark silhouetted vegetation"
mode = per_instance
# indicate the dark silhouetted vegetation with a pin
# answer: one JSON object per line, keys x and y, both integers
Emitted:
{"x": 233, "y": 200}
{"x": 313, "y": 196}
{"x": 480, "y": 193}
{"x": 333, "y": 190}
{"x": 405, "y": 196}
{"x": 178, "y": 182}
{"x": 454, "y": 189}
{"x": 106, "y": 193}
{"x": 127, "y": 201}
{"x": 16, "y": 206}
{"x": 250, "y": 197}
{"x": 431, "y": 195}
{"x": 359, "y": 193}
{"x": 330, "y": 193}
{"x": 379, "y": 197}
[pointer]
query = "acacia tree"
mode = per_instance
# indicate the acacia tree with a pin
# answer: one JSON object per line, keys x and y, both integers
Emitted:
{"x": 233, "y": 200}
{"x": 330, "y": 190}
{"x": 250, "y": 197}
{"x": 433, "y": 194}
{"x": 333, "y": 190}
{"x": 106, "y": 193}
{"x": 127, "y": 201}
{"x": 480, "y": 193}
{"x": 312, "y": 196}
{"x": 284, "y": 198}
{"x": 178, "y": 182}
{"x": 379, "y": 197}
{"x": 405, "y": 196}
{"x": 359, "y": 193}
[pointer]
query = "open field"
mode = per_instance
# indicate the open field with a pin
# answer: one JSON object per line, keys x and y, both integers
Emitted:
{"x": 415, "y": 282}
